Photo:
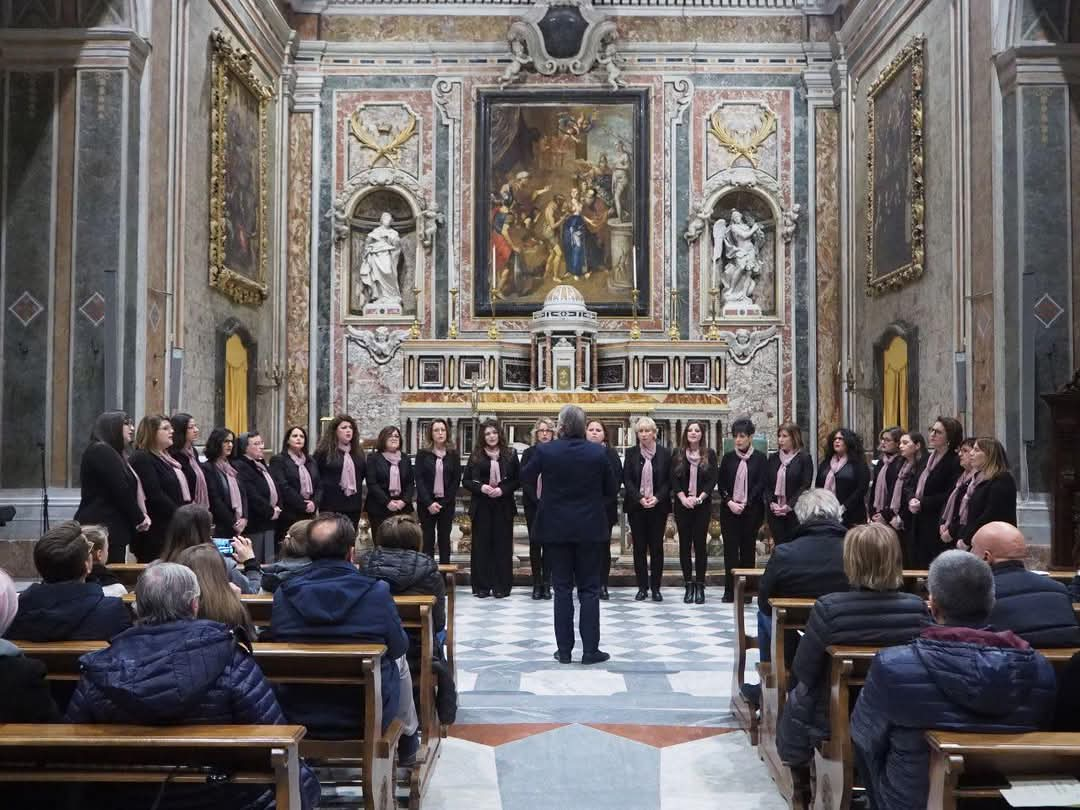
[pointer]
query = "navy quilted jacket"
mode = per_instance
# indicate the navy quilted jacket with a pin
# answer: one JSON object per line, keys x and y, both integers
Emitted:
{"x": 184, "y": 672}
{"x": 1034, "y": 606}
{"x": 951, "y": 678}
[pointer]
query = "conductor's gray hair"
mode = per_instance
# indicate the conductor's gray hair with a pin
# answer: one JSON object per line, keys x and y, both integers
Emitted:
{"x": 962, "y": 587}
{"x": 165, "y": 592}
{"x": 817, "y": 504}
{"x": 572, "y": 422}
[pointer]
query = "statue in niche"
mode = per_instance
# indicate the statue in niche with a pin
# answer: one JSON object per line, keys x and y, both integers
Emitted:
{"x": 736, "y": 262}
{"x": 375, "y": 285}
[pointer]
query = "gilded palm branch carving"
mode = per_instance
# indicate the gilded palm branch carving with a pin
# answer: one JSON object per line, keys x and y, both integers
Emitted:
{"x": 743, "y": 144}
{"x": 389, "y": 151}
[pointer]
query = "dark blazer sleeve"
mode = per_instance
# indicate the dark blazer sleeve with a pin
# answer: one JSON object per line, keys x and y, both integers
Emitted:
{"x": 857, "y": 498}
{"x": 511, "y": 477}
{"x": 220, "y": 505}
{"x": 805, "y": 477}
{"x": 530, "y": 470}
{"x": 755, "y": 490}
{"x": 408, "y": 480}
{"x": 707, "y": 480}
{"x": 948, "y": 471}
{"x": 289, "y": 492}
{"x": 680, "y": 475}
{"x": 378, "y": 480}
{"x": 111, "y": 475}
{"x": 995, "y": 500}
{"x": 424, "y": 478}
{"x": 822, "y": 473}
{"x": 258, "y": 507}
{"x": 632, "y": 479}
{"x": 452, "y": 473}
{"x": 769, "y": 580}
{"x": 662, "y": 490}
{"x": 158, "y": 500}
{"x": 471, "y": 478}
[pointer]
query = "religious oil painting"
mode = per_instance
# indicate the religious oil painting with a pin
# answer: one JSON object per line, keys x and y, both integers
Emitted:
{"x": 895, "y": 238}
{"x": 238, "y": 174}
{"x": 562, "y": 198}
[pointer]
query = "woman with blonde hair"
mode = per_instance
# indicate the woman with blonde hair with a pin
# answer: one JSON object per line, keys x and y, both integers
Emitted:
{"x": 543, "y": 431}
{"x": 992, "y": 493}
{"x": 875, "y": 612}
{"x": 165, "y": 486}
{"x": 647, "y": 503}
{"x": 219, "y": 599}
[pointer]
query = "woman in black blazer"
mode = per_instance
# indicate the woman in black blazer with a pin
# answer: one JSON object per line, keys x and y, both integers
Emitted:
{"x": 492, "y": 475}
{"x": 933, "y": 487}
{"x": 883, "y": 475}
{"x": 390, "y": 486}
{"x": 781, "y": 491}
{"x": 742, "y": 501}
{"x": 693, "y": 476}
{"x": 228, "y": 506}
{"x": 647, "y": 506}
{"x": 438, "y": 476}
{"x": 110, "y": 488}
{"x": 296, "y": 476}
{"x": 845, "y": 473}
{"x": 163, "y": 481}
{"x": 543, "y": 431}
{"x": 992, "y": 494}
{"x": 950, "y": 526}
{"x": 185, "y": 432}
{"x": 596, "y": 431}
{"x": 913, "y": 457}
{"x": 260, "y": 494}
{"x": 341, "y": 468}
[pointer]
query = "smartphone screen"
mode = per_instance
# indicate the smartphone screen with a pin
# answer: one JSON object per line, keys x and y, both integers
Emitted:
{"x": 224, "y": 545}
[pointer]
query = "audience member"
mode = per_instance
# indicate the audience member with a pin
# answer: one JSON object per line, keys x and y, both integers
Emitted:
{"x": 1034, "y": 606}
{"x": 175, "y": 669}
{"x": 98, "y": 538}
{"x": 874, "y": 612}
{"x": 292, "y": 554}
{"x": 957, "y": 675}
{"x": 219, "y": 599}
{"x": 24, "y": 693}
{"x": 190, "y": 526}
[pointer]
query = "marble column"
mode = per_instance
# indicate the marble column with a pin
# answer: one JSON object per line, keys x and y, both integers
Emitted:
{"x": 298, "y": 272}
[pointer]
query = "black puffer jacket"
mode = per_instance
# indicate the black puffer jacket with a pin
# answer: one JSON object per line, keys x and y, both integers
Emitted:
{"x": 408, "y": 573}
{"x": 811, "y": 564}
{"x": 861, "y": 617}
{"x": 1034, "y": 606}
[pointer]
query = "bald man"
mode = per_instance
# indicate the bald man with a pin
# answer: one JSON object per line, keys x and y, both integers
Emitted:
{"x": 1034, "y": 606}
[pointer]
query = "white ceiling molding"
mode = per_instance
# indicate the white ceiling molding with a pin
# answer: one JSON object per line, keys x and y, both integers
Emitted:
{"x": 616, "y": 8}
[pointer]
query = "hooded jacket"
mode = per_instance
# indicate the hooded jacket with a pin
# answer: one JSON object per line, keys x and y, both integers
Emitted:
{"x": 68, "y": 611}
{"x": 180, "y": 673}
{"x": 330, "y": 601}
{"x": 1034, "y": 606}
{"x": 950, "y": 678}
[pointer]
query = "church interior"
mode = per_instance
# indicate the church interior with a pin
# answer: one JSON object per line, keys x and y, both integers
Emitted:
{"x": 850, "y": 214}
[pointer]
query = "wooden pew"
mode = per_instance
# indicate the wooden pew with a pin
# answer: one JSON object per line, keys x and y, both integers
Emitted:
{"x": 416, "y": 616}
{"x": 251, "y": 755}
{"x": 985, "y": 760}
{"x": 746, "y": 716}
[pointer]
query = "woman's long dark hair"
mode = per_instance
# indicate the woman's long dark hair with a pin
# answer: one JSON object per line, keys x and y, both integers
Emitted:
{"x": 288, "y": 433}
{"x": 190, "y": 526}
{"x": 853, "y": 442}
{"x": 480, "y": 446}
{"x": 679, "y": 465}
{"x": 180, "y": 423}
{"x": 215, "y": 444}
{"x": 109, "y": 429}
{"x": 328, "y": 444}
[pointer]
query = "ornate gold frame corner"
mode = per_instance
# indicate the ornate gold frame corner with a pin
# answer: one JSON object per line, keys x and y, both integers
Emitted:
{"x": 232, "y": 63}
{"x": 911, "y": 54}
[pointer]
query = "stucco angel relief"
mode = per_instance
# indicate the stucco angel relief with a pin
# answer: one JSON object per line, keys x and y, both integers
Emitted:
{"x": 380, "y": 343}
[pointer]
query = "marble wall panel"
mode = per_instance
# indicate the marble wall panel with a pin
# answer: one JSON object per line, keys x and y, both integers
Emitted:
{"x": 754, "y": 390}
{"x": 62, "y": 272}
{"x": 297, "y": 292}
{"x": 372, "y": 392}
{"x": 129, "y": 271}
{"x": 1074, "y": 163}
{"x": 827, "y": 244}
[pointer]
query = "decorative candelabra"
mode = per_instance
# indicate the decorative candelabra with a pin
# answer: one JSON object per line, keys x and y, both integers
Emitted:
{"x": 713, "y": 332}
{"x": 635, "y": 327}
{"x": 275, "y": 374}
{"x": 414, "y": 330}
{"x": 493, "y": 330}
{"x": 673, "y": 330}
{"x": 452, "y": 332}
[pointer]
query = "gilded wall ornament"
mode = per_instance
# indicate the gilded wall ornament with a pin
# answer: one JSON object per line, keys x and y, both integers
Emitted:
{"x": 743, "y": 144}
{"x": 390, "y": 150}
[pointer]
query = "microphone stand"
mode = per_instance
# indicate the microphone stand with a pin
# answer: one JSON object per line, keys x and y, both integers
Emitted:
{"x": 44, "y": 491}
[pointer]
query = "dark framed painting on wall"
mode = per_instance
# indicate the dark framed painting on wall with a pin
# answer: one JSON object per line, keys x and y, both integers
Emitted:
{"x": 562, "y": 197}
{"x": 895, "y": 194}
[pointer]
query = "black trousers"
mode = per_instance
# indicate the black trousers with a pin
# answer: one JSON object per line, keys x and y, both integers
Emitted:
{"x": 538, "y": 561}
{"x": 438, "y": 527}
{"x": 693, "y": 525}
{"x": 576, "y": 563}
{"x": 647, "y": 527}
{"x": 492, "y": 560}
{"x": 781, "y": 528}
{"x": 740, "y": 534}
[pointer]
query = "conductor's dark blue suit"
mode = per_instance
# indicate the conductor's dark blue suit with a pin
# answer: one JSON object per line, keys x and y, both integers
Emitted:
{"x": 572, "y": 524}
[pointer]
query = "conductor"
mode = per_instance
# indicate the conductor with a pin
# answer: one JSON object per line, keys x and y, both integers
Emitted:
{"x": 572, "y": 526}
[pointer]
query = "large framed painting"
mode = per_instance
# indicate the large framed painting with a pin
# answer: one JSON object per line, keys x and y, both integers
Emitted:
{"x": 895, "y": 236}
{"x": 562, "y": 197}
{"x": 238, "y": 173}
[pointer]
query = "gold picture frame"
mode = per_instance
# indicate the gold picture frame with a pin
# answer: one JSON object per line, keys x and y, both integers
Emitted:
{"x": 895, "y": 191}
{"x": 238, "y": 173}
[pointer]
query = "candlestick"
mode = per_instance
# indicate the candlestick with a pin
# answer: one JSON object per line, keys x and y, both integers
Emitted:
{"x": 673, "y": 330}
{"x": 713, "y": 332}
{"x": 414, "y": 330}
{"x": 452, "y": 332}
{"x": 635, "y": 328}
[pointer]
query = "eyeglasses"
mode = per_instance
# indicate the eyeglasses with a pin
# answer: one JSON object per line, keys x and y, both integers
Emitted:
{"x": 935, "y": 430}
{"x": 544, "y": 430}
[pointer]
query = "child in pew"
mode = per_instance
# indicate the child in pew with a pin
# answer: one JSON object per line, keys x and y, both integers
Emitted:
{"x": 98, "y": 537}
{"x": 292, "y": 557}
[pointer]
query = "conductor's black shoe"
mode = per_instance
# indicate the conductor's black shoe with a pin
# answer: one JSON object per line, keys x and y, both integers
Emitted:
{"x": 562, "y": 657}
{"x": 597, "y": 657}
{"x": 538, "y": 592}
{"x": 482, "y": 594}
{"x": 729, "y": 597}
{"x": 604, "y": 593}
{"x": 641, "y": 595}
{"x": 656, "y": 597}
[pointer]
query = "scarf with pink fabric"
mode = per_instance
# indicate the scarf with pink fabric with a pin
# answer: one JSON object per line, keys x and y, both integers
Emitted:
{"x": 976, "y": 479}
{"x": 898, "y": 487}
{"x": 140, "y": 493}
{"x": 693, "y": 458}
{"x": 260, "y": 465}
{"x": 647, "y": 486}
{"x": 494, "y": 473}
{"x": 742, "y": 475}
{"x": 881, "y": 485}
{"x": 835, "y": 465}
{"x": 348, "y": 470}
{"x": 202, "y": 496}
{"x": 306, "y": 486}
{"x": 178, "y": 471}
{"x": 235, "y": 501}
{"x": 780, "y": 490}
{"x": 394, "y": 459}
{"x": 935, "y": 457}
{"x": 440, "y": 488}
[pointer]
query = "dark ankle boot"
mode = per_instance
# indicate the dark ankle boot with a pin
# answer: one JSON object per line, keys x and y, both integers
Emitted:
{"x": 642, "y": 595}
{"x": 688, "y": 597}
{"x": 547, "y": 591}
{"x": 656, "y": 596}
{"x": 699, "y": 594}
{"x": 538, "y": 592}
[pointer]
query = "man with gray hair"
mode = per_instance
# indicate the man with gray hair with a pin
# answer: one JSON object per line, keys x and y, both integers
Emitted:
{"x": 571, "y": 523}
{"x": 174, "y": 669}
{"x": 811, "y": 564}
{"x": 958, "y": 675}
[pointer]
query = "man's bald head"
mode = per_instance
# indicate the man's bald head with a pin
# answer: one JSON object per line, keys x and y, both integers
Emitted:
{"x": 331, "y": 536}
{"x": 998, "y": 542}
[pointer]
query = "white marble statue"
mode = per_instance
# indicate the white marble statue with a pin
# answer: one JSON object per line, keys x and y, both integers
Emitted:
{"x": 620, "y": 180}
{"x": 377, "y": 277}
{"x": 736, "y": 262}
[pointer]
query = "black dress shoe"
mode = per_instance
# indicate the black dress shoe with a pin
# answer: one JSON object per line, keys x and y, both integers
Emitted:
{"x": 482, "y": 594}
{"x": 597, "y": 657}
{"x": 688, "y": 597}
{"x": 562, "y": 657}
{"x": 656, "y": 597}
{"x": 729, "y": 598}
{"x": 603, "y": 593}
{"x": 641, "y": 595}
{"x": 538, "y": 592}
{"x": 546, "y": 593}
{"x": 699, "y": 594}
{"x": 501, "y": 594}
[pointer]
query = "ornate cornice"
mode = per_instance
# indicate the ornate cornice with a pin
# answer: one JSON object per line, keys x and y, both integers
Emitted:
{"x": 1038, "y": 65}
{"x": 95, "y": 48}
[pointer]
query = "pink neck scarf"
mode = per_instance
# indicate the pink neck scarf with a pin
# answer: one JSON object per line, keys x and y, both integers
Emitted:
{"x": 260, "y": 465}
{"x": 306, "y": 487}
{"x": 395, "y": 470}
{"x": 881, "y": 485}
{"x": 202, "y": 497}
{"x": 235, "y": 501}
{"x": 898, "y": 487}
{"x": 348, "y": 471}
{"x": 835, "y": 465}
{"x": 440, "y": 487}
{"x": 140, "y": 493}
{"x": 976, "y": 479}
{"x": 920, "y": 487}
{"x": 693, "y": 458}
{"x": 494, "y": 474}
{"x": 741, "y": 476}
{"x": 647, "y": 453}
{"x": 780, "y": 490}
{"x": 178, "y": 471}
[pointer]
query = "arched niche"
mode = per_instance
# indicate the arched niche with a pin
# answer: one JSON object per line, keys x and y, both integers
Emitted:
{"x": 896, "y": 377}
{"x": 234, "y": 338}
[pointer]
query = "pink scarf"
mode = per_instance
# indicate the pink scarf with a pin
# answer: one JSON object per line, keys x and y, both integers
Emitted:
{"x": 202, "y": 497}
{"x": 741, "y": 475}
{"x": 260, "y": 465}
{"x": 647, "y": 471}
{"x": 898, "y": 487}
{"x": 306, "y": 487}
{"x": 348, "y": 471}
{"x": 395, "y": 471}
{"x": 235, "y": 501}
{"x": 976, "y": 479}
{"x": 140, "y": 493}
{"x": 780, "y": 490}
{"x": 835, "y": 465}
{"x": 440, "y": 487}
{"x": 935, "y": 457}
{"x": 185, "y": 490}
{"x": 494, "y": 474}
{"x": 693, "y": 458}
{"x": 881, "y": 485}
